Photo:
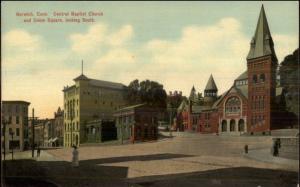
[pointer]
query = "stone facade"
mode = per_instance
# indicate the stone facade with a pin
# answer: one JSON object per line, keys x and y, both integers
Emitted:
{"x": 87, "y": 100}
{"x": 15, "y": 120}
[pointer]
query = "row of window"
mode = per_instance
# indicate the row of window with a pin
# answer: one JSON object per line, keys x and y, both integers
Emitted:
{"x": 10, "y": 119}
{"x": 241, "y": 82}
{"x": 68, "y": 138}
{"x": 210, "y": 94}
{"x": 12, "y": 131}
{"x": 233, "y": 105}
{"x": 258, "y": 103}
{"x": 259, "y": 79}
{"x": 16, "y": 108}
{"x": 126, "y": 119}
{"x": 258, "y": 120}
{"x": 68, "y": 126}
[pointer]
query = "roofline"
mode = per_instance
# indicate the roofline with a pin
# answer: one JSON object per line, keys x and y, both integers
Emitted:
{"x": 16, "y": 101}
{"x": 69, "y": 88}
{"x": 108, "y": 87}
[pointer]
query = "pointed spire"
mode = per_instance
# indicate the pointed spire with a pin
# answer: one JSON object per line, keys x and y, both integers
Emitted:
{"x": 81, "y": 67}
{"x": 193, "y": 94}
{"x": 262, "y": 42}
{"x": 211, "y": 85}
{"x": 82, "y": 76}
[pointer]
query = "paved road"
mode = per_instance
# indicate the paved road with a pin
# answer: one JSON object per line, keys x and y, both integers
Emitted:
{"x": 184, "y": 160}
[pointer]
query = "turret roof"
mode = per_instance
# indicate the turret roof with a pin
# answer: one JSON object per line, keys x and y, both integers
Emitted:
{"x": 211, "y": 85}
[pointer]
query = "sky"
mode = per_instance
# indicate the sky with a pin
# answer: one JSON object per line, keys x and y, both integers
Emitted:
{"x": 178, "y": 44}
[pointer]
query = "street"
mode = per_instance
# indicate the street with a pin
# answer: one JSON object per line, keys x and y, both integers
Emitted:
{"x": 184, "y": 159}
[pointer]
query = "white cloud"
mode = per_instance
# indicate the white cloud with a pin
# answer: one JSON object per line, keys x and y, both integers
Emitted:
{"x": 20, "y": 39}
{"x": 120, "y": 37}
{"x": 83, "y": 43}
{"x": 284, "y": 45}
{"x": 98, "y": 37}
{"x": 219, "y": 49}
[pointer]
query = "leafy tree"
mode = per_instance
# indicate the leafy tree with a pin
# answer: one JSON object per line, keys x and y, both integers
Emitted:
{"x": 289, "y": 80}
{"x": 147, "y": 91}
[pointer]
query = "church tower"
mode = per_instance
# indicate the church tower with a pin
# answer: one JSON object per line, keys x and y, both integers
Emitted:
{"x": 210, "y": 92}
{"x": 261, "y": 64}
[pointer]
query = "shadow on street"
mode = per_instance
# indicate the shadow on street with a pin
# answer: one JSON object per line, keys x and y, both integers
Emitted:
{"x": 27, "y": 173}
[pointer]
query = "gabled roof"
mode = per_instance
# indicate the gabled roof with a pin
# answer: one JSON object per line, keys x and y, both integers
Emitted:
{"x": 182, "y": 106}
{"x": 211, "y": 85}
{"x": 262, "y": 42}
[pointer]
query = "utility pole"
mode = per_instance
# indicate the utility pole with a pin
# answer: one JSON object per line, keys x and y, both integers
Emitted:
{"x": 32, "y": 131}
{"x": 72, "y": 126}
{"x": 4, "y": 122}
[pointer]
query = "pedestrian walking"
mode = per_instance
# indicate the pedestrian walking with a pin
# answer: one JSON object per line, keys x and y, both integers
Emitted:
{"x": 75, "y": 157}
{"x": 246, "y": 148}
{"x": 38, "y": 151}
{"x": 275, "y": 148}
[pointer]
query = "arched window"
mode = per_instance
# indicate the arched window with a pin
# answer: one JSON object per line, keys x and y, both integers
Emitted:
{"x": 233, "y": 105}
{"x": 262, "y": 77}
{"x": 254, "y": 78}
{"x": 224, "y": 126}
{"x": 232, "y": 125}
{"x": 241, "y": 125}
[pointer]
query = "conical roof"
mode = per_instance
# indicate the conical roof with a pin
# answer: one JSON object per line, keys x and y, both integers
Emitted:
{"x": 262, "y": 42}
{"x": 211, "y": 85}
{"x": 193, "y": 94}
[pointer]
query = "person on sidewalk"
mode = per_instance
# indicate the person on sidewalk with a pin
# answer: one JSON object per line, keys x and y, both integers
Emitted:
{"x": 75, "y": 157}
{"x": 38, "y": 151}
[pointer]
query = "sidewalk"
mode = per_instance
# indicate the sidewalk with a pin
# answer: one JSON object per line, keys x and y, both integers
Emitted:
{"x": 264, "y": 155}
{"x": 44, "y": 156}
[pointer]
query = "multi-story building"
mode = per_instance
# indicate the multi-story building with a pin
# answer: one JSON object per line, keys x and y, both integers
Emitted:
{"x": 58, "y": 135}
{"x": 138, "y": 122}
{"x": 252, "y": 105}
{"x": 43, "y": 132}
{"x": 14, "y": 125}
{"x": 88, "y": 100}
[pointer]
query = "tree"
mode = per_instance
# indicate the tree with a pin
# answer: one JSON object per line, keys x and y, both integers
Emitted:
{"x": 289, "y": 80}
{"x": 147, "y": 91}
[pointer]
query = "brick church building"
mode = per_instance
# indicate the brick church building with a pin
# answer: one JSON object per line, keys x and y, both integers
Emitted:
{"x": 251, "y": 105}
